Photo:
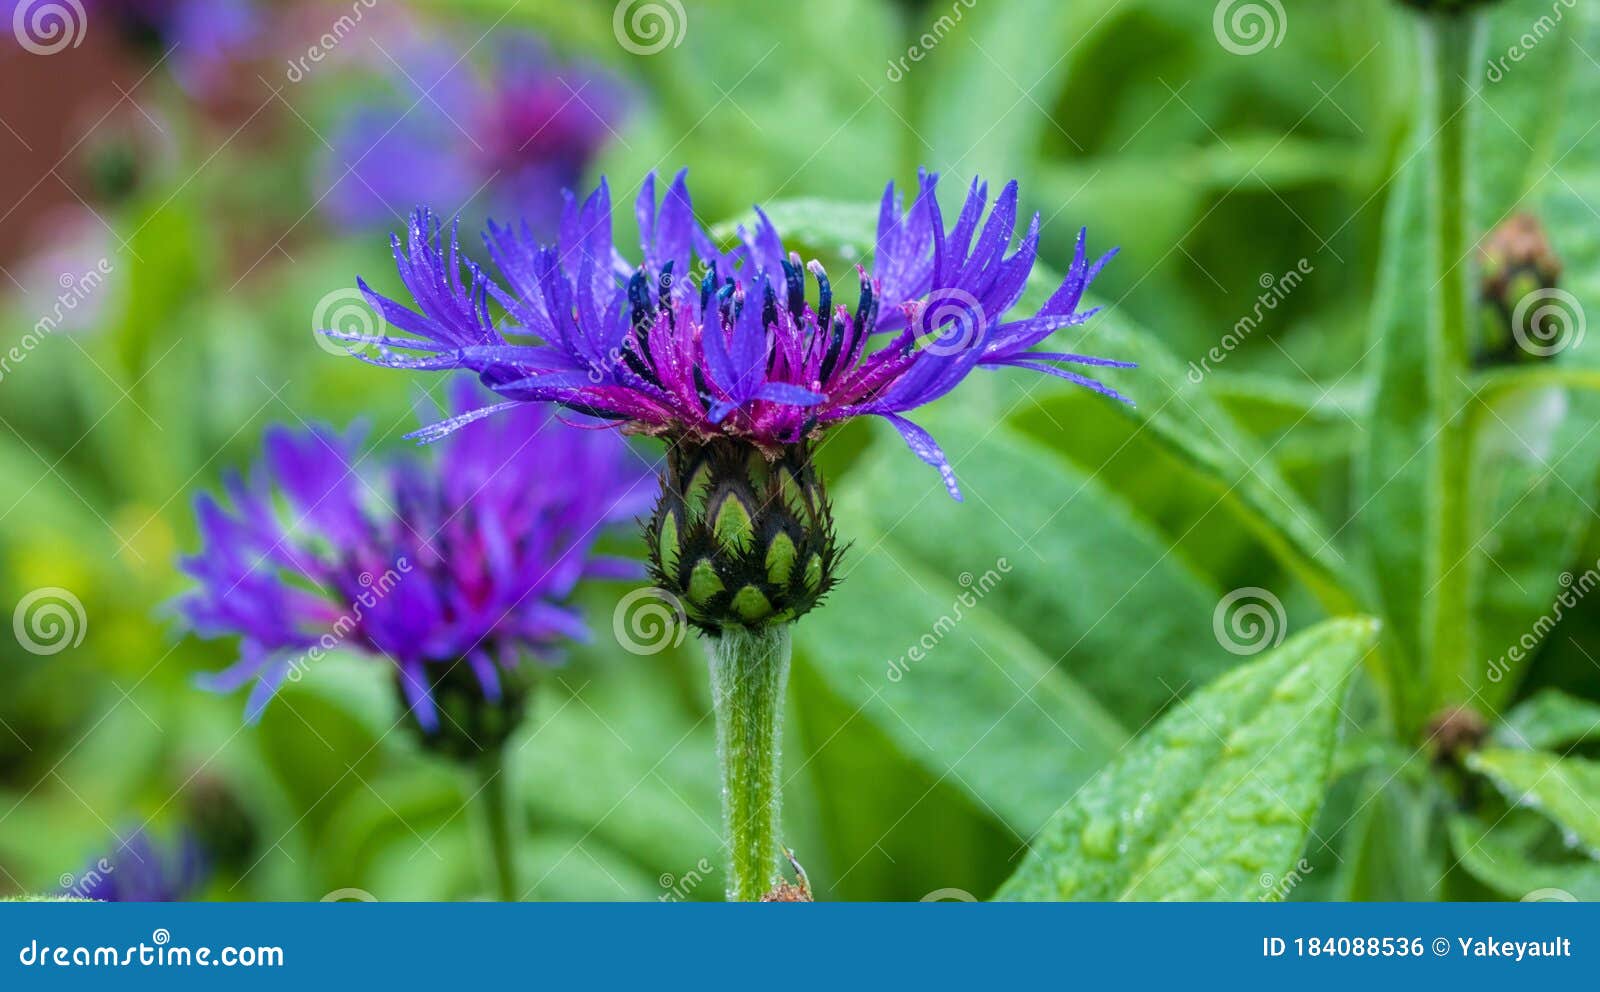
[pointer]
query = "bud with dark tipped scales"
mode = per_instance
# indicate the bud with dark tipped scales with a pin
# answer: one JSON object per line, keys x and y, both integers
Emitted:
{"x": 742, "y": 537}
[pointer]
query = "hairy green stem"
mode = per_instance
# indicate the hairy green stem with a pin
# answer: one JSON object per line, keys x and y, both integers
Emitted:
{"x": 496, "y": 810}
{"x": 1451, "y": 43}
{"x": 749, "y": 670}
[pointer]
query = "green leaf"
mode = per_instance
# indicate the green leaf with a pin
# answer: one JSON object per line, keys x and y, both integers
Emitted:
{"x": 1411, "y": 488}
{"x": 1174, "y": 405}
{"x": 978, "y": 633}
{"x": 1550, "y": 721}
{"x": 1565, "y": 790}
{"x": 1498, "y": 854}
{"x": 1216, "y": 796}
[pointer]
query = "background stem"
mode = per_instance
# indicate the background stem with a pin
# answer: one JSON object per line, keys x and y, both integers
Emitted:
{"x": 749, "y": 670}
{"x": 494, "y": 796}
{"x": 1450, "y": 45}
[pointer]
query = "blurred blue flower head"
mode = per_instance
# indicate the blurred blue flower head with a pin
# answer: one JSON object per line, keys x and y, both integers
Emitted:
{"x": 501, "y": 139}
{"x": 466, "y": 560}
{"x": 142, "y": 871}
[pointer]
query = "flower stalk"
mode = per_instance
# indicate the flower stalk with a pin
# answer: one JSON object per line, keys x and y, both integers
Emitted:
{"x": 749, "y": 672}
{"x": 494, "y": 801}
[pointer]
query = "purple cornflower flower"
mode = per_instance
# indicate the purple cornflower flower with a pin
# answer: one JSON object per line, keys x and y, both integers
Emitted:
{"x": 734, "y": 348}
{"x": 510, "y": 134}
{"x": 470, "y": 559}
{"x": 724, "y": 355}
{"x": 140, "y": 871}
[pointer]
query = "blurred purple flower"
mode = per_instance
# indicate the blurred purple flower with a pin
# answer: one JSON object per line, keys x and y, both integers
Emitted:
{"x": 508, "y": 137}
{"x": 472, "y": 558}
{"x": 140, "y": 871}
{"x": 204, "y": 39}
{"x": 734, "y": 347}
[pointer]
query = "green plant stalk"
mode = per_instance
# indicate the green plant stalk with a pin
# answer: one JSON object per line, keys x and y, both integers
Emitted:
{"x": 1451, "y": 43}
{"x": 749, "y": 671}
{"x": 496, "y": 812}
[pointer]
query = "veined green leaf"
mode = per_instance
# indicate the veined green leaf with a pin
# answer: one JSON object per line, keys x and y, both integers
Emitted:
{"x": 1217, "y": 796}
{"x": 1176, "y": 406}
{"x": 1566, "y": 790}
{"x": 977, "y": 633}
{"x": 1550, "y": 721}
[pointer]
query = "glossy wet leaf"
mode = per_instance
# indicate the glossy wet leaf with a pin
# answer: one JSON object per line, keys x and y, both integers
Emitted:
{"x": 1215, "y": 797}
{"x": 1498, "y": 852}
{"x": 1565, "y": 790}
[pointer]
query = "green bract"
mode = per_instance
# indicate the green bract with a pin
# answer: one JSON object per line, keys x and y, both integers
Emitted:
{"x": 741, "y": 539}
